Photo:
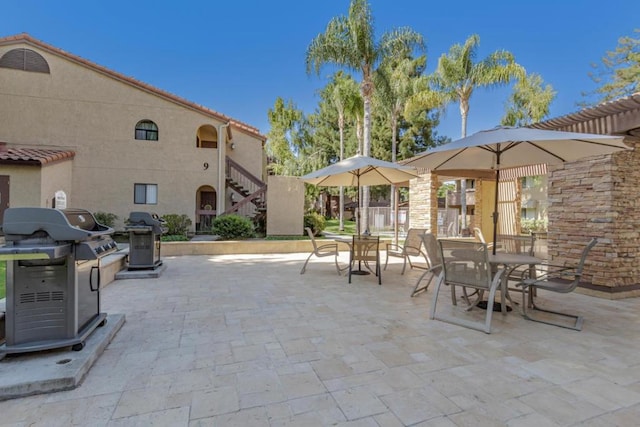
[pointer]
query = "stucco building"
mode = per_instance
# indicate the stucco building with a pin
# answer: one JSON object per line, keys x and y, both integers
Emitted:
{"x": 75, "y": 133}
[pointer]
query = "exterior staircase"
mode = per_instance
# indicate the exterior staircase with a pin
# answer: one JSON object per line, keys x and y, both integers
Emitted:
{"x": 249, "y": 193}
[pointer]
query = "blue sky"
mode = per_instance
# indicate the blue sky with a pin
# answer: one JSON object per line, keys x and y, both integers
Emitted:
{"x": 237, "y": 57}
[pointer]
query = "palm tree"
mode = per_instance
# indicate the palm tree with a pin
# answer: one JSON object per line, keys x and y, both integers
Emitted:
{"x": 394, "y": 83}
{"x": 349, "y": 42}
{"x": 456, "y": 77}
{"x": 346, "y": 98}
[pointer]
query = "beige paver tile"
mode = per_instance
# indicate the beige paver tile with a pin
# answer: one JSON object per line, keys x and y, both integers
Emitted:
{"x": 416, "y": 405}
{"x": 141, "y": 401}
{"x": 208, "y": 403}
{"x": 560, "y": 406}
{"x": 169, "y": 417}
{"x": 302, "y": 384}
{"x": 603, "y": 394}
{"x": 359, "y": 402}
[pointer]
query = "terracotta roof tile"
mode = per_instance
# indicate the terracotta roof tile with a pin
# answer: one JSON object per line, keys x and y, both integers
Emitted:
{"x": 33, "y": 156}
{"x": 26, "y": 38}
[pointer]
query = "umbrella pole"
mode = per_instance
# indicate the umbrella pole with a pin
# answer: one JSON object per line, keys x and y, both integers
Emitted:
{"x": 396, "y": 204}
{"x": 495, "y": 205}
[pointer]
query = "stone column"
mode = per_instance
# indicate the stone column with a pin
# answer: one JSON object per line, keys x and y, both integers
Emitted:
{"x": 423, "y": 199}
{"x": 597, "y": 197}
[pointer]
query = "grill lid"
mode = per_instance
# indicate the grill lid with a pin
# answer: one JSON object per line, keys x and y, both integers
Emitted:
{"x": 60, "y": 225}
{"x": 146, "y": 221}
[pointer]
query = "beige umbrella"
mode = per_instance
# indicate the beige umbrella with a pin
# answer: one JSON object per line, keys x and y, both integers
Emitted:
{"x": 508, "y": 147}
{"x": 360, "y": 171}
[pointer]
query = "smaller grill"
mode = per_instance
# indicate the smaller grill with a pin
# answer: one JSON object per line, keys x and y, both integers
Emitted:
{"x": 145, "y": 230}
{"x": 53, "y": 277}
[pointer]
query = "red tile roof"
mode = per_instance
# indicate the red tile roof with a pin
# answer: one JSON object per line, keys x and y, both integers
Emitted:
{"x": 33, "y": 156}
{"x": 26, "y": 38}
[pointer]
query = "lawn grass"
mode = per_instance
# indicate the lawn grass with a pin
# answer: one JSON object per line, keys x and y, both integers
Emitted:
{"x": 333, "y": 226}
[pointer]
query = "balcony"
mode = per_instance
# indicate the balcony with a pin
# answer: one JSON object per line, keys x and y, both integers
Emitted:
{"x": 453, "y": 198}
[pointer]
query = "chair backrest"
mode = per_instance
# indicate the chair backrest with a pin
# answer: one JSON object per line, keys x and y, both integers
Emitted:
{"x": 516, "y": 244}
{"x": 313, "y": 239}
{"x": 432, "y": 250}
{"x": 413, "y": 241}
{"x": 479, "y": 235}
{"x": 365, "y": 248}
{"x": 465, "y": 263}
{"x": 572, "y": 276}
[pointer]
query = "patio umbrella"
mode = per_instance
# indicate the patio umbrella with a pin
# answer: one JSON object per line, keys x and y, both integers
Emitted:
{"x": 508, "y": 147}
{"x": 359, "y": 171}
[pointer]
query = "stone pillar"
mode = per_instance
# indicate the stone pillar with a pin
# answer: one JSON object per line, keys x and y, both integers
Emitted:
{"x": 597, "y": 197}
{"x": 423, "y": 200}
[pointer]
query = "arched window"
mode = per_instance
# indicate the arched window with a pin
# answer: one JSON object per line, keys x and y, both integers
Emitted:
{"x": 146, "y": 130}
{"x": 25, "y": 60}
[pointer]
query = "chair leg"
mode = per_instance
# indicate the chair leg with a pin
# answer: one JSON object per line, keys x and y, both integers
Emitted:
{"x": 417, "y": 289}
{"x": 386, "y": 261}
{"x": 338, "y": 266}
{"x": 434, "y": 301}
{"x": 304, "y": 267}
{"x": 578, "y": 320}
{"x": 404, "y": 265}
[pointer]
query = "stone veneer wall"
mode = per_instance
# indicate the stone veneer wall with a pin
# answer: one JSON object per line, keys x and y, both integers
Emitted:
{"x": 597, "y": 197}
{"x": 478, "y": 210}
{"x": 423, "y": 196}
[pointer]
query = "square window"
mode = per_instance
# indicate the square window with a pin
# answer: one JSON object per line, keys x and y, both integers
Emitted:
{"x": 145, "y": 194}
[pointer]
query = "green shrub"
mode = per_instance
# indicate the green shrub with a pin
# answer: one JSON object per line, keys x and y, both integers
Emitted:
{"x": 233, "y": 227}
{"x": 174, "y": 238}
{"x": 105, "y": 218}
{"x": 177, "y": 224}
{"x": 315, "y": 221}
{"x": 533, "y": 225}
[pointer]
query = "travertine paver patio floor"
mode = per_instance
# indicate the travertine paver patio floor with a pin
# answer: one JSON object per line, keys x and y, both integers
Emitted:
{"x": 245, "y": 340}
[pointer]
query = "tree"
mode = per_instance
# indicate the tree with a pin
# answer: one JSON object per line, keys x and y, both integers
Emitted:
{"x": 458, "y": 75}
{"x": 346, "y": 98}
{"x": 284, "y": 137}
{"x": 619, "y": 73}
{"x": 349, "y": 42}
{"x": 529, "y": 102}
{"x": 394, "y": 83}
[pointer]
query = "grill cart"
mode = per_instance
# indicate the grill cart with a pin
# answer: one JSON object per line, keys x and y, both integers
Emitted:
{"x": 53, "y": 277}
{"x": 144, "y": 230}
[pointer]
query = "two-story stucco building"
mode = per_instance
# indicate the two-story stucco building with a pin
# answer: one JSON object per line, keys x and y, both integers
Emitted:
{"x": 75, "y": 133}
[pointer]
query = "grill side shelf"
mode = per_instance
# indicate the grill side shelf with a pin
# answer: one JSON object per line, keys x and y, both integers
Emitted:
{"x": 10, "y": 253}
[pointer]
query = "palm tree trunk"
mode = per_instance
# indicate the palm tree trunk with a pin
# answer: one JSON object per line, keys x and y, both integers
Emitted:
{"x": 341, "y": 208}
{"x": 464, "y": 112}
{"x": 366, "y": 150}
{"x": 394, "y": 195}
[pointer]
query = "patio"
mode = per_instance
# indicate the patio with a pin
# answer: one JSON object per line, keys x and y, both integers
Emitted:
{"x": 245, "y": 340}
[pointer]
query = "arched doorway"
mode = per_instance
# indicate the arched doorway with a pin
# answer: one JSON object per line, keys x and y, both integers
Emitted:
{"x": 207, "y": 137}
{"x": 206, "y": 208}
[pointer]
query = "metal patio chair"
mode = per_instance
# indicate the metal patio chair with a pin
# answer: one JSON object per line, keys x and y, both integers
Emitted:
{"x": 466, "y": 264}
{"x": 365, "y": 249}
{"x": 412, "y": 247}
{"x": 321, "y": 251}
{"x": 553, "y": 278}
{"x": 432, "y": 253}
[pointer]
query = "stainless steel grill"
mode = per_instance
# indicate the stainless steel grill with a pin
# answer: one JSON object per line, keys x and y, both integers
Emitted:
{"x": 53, "y": 277}
{"x": 145, "y": 230}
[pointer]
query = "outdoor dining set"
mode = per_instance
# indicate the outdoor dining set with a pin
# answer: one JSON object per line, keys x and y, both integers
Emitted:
{"x": 476, "y": 269}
